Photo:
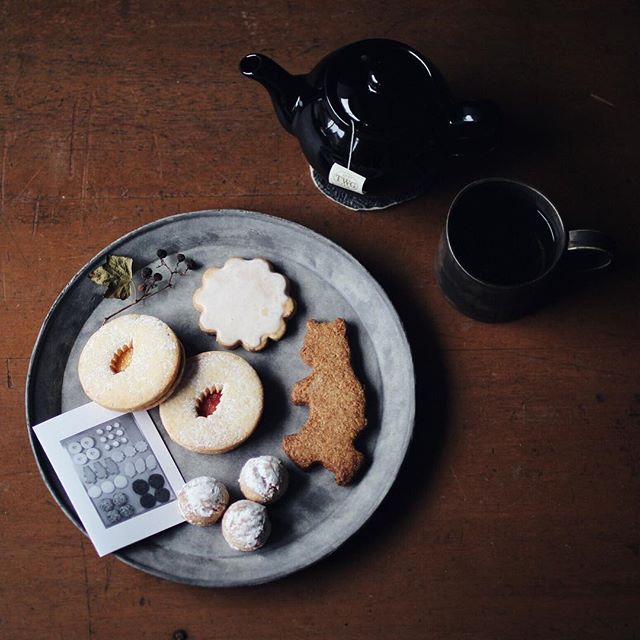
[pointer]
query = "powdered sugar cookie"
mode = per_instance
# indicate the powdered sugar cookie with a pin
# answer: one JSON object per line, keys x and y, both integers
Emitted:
{"x": 263, "y": 479}
{"x": 202, "y": 500}
{"x": 244, "y": 302}
{"x": 131, "y": 363}
{"x": 246, "y": 525}
{"x": 217, "y": 405}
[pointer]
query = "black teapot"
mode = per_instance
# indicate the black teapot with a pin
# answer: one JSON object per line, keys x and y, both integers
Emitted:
{"x": 375, "y": 116}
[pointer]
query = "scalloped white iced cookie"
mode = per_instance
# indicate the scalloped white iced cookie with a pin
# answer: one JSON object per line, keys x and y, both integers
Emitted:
{"x": 217, "y": 405}
{"x": 244, "y": 302}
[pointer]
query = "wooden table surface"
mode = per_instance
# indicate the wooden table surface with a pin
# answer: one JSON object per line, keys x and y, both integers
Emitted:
{"x": 516, "y": 514}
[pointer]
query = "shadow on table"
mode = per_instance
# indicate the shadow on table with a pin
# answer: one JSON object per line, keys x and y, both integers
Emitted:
{"x": 431, "y": 425}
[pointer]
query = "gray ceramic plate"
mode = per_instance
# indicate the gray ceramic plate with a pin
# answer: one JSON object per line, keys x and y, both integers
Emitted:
{"x": 315, "y": 516}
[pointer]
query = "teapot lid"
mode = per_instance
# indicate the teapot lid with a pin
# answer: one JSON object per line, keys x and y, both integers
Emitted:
{"x": 381, "y": 85}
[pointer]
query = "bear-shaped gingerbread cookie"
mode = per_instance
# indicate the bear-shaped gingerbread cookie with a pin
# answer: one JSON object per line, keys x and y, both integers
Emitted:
{"x": 336, "y": 404}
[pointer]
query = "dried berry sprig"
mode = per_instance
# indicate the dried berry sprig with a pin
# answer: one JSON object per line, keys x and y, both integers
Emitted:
{"x": 152, "y": 279}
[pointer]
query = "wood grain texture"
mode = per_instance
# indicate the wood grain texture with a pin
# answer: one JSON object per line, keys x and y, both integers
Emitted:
{"x": 517, "y": 513}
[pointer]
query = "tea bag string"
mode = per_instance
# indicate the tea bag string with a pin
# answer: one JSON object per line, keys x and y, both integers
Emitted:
{"x": 353, "y": 133}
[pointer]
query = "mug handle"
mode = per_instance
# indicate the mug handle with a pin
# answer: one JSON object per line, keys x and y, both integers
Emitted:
{"x": 473, "y": 128}
{"x": 589, "y": 250}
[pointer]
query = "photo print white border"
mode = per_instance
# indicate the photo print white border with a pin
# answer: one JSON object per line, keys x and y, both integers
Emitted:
{"x": 107, "y": 539}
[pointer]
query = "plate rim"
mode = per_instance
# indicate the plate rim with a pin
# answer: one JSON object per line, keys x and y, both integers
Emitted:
{"x": 141, "y": 230}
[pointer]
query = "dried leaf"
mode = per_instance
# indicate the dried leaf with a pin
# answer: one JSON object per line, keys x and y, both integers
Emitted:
{"x": 117, "y": 274}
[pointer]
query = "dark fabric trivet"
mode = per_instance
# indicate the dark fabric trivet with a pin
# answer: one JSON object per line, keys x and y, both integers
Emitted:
{"x": 358, "y": 202}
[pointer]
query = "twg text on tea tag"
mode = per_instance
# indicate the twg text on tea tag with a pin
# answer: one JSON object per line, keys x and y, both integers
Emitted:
{"x": 342, "y": 177}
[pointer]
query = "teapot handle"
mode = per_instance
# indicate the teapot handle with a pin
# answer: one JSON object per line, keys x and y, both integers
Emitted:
{"x": 473, "y": 127}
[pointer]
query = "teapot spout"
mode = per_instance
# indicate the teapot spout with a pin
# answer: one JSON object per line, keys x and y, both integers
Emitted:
{"x": 283, "y": 88}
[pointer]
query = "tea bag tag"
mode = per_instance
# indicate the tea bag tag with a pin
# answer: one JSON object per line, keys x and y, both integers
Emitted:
{"x": 343, "y": 176}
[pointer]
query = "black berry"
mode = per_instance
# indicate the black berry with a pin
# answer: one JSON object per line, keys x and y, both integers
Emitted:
{"x": 181, "y": 257}
{"x": 147, "y": 501}
{"x": 157, "y": 276}
{"x": 156, "y": 480}
{"x": 162, "y": 495}
{"x": 161, "y": 253}
{"x": 140, "y": 487}
{"x": 146, "y": 272}
{"x": 191, "y": 264}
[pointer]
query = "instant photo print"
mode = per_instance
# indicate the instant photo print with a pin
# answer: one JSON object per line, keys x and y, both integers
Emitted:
{"x": 117, "y": 472}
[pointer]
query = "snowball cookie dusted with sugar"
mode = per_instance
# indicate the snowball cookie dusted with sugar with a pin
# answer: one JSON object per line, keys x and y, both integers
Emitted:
{"x": 202, "y": 501}
{"x": 131, "y": 363}
{"x": 246, "y": 525}
{"x": 244, "y": 302}
{"x": 263, "y": 479}
{"x": 217, "y": 405}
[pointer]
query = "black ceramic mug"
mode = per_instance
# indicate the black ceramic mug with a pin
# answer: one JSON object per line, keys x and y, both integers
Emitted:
{"x": 504, "y": 244}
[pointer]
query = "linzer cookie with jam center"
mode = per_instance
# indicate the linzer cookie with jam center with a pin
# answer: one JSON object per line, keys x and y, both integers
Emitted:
{"x": 243, "y": 303}
{"x": 132, "y": 363}
{"x": 217, "y": 405}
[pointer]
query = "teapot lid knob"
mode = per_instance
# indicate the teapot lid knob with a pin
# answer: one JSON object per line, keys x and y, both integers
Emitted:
{"x": 382, "y": 84}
